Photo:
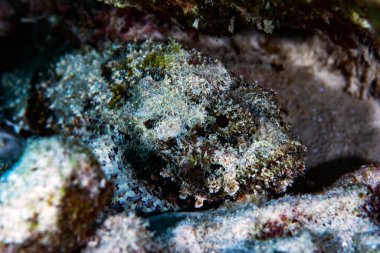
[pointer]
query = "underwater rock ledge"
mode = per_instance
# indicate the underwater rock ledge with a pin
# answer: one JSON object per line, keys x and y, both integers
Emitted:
{"x": 345, "y": 22}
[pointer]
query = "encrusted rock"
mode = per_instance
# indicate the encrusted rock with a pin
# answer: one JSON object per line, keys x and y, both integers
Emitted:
{"x": 336, "y": 220}
{"x": 342, "y": 20}
{"x": 122, "y": 234}
{"x": 367, "y": 175}
{"x": 51, "y": 198}
{"x": 190, "y": 129}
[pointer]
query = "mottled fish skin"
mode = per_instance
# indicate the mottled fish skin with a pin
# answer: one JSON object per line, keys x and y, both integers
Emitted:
{"x": 212, "y": 135}
{"x": 185, "y": 131}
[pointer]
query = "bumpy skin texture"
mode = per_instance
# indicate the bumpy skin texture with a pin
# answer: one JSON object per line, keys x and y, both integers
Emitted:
{"x": 190, "y": 129}
{"x": 81, "y": 102}
{"x": 51, "y": 198}
{"x": 191, "y": 122}
{"x": 122, "y": 234}
{"x": 336, "y": 220}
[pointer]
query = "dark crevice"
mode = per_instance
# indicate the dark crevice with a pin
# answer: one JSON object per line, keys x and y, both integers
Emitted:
{"x": 325, "y": 174}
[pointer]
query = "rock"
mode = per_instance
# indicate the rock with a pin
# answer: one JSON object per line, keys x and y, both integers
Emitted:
{"x": 51, "y": 198}
{"x": 367, "y": 175}
{"x": 191, "y": 131}
{"x": 122, "y": 234}
{"x": 345, "y": 21}
{"x": 336, "y": 220}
